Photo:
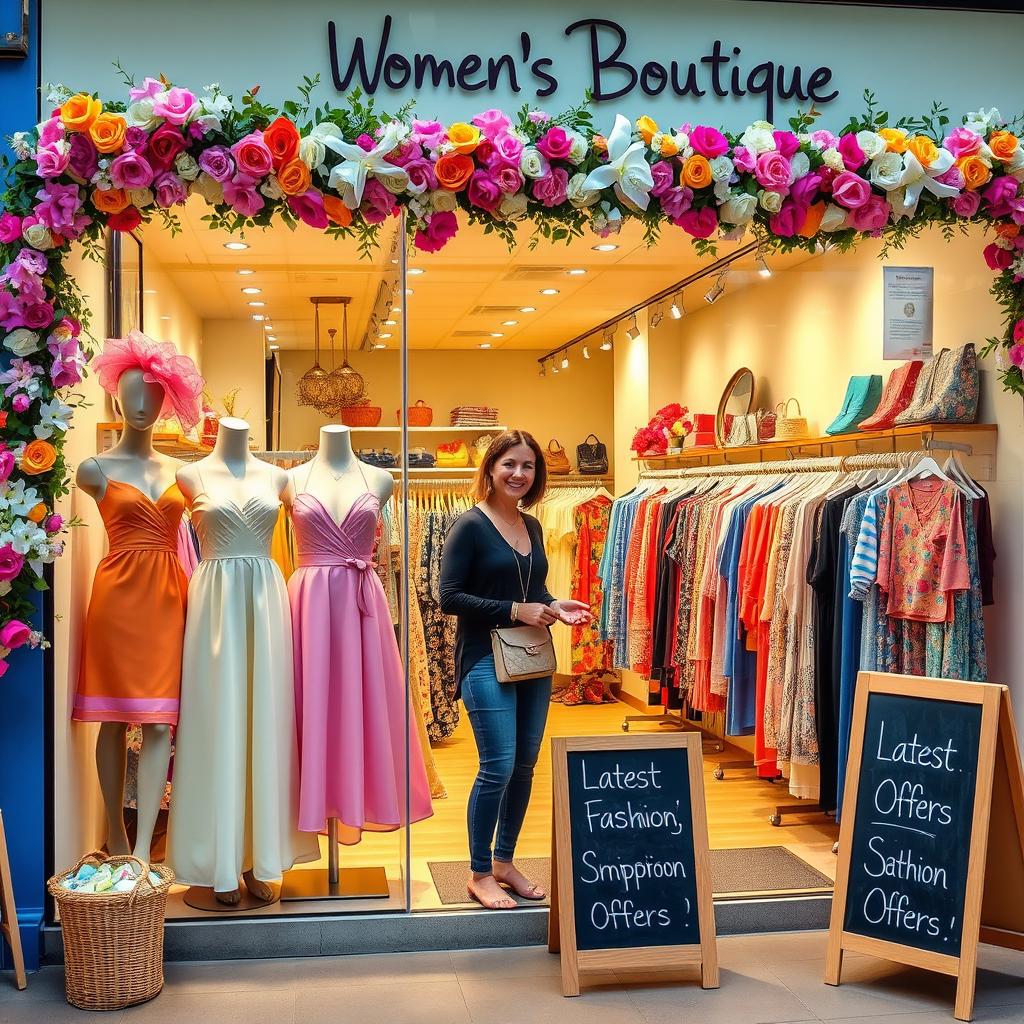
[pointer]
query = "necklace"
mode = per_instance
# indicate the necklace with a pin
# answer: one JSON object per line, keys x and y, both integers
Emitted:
{"x": 334, "y": 476}
{"x": 512, "y": 525}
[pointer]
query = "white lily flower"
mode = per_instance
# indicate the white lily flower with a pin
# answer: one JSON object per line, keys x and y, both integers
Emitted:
{"x": 25, "y": 536}
{"x": 18, "y": 498}
{"x": 627, "y": 168}
{"x": 53, "y": 415}
{"x": 350, "y": 176}
{"x": 916, "y": 178}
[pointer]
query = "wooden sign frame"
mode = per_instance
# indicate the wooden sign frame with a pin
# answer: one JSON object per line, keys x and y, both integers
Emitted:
{"x": 562, "y": 920}
{"x": 997, "y": 837}
{"x": 8, "y": 912}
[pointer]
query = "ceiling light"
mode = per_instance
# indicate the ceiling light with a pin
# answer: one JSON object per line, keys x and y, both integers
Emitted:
{"x": 408, "y": 291}
{"x": 497, "y": 334}
{"x": 554, "y": 368}
{"x": 396, "y": 309}
{"x": 257, "y": 304}
{"x": 609, "y": 336}
{"x": 676, "y": 310}
{"x": 565, "y": 362}
{"x": 543, "y": 372}
{"x": 246, "y": 273}
{"x": 390, "y": 323}
{"x": 576, "y": 272}
{"x": 527, "y": 309}
{"x": 549, "y": 291}
{"x": 255, "y": 316}
{"x": 384, "y": 335}
{"x": 236, "y": 246}
{"x": 714, "y": 293}
{"x": 657, "y": 315}
{"x": 251, "y": 291}
{"x": 485, "y": 344}
{"x": 274, "y": 348}
{"x": 415, "y": 271}
{"x": 633, "y": 331}
{"x": 605, "y": 247}
{"x": 165, "y": 318}
{"x": 271, "y": 337}
{"x": 149, "y": 291}
{"x": 762, "y": 268}
{"x": 586, "y": 352}
{"x": 509, "y": 323}
{"x": 380, "y": 344}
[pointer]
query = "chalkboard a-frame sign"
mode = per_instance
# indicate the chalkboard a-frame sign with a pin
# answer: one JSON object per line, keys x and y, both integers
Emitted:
{"x": 631, "y": 882}
{"x": 931, "y": 848}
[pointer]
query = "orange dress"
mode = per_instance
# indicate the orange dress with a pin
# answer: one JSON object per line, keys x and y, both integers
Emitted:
{"x": 131, "y": 649}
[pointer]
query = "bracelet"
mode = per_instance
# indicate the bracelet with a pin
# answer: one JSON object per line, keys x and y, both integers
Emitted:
{"x": 515, "y": 611}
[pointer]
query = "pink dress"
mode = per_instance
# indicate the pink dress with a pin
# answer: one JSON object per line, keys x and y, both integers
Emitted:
{"x": 350, "y": 696}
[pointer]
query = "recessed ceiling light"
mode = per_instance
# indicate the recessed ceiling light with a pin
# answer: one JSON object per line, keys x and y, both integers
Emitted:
{"x": 258, "y": 316}
{"x": 257, "y": 305}
{"x": 408, "y": 291}
{"x": 605, "y": 247}
{"x": 509, "y": 323}
{"x": 390, "y": 323}
{"x": 380, "y": 344}
{"x": 271, "y": 337}
{"x": 149, "y": 291}
{"x": 415, "y": 271}
{"x": 527, "y": 309}
{"x": 485, "y": 344}
{"x": 497, "y": 334}
{"x": 549, "y": 291}
{"x": 251, "y": 291}
{"x": 236, "y": 246}
{"x": 165, "y": 318}
{"x": 274, "y": 348}
{"x": 246, "y": 273}
{"x": 385, "y": 334}
{"x": 576, "y": 272}
{"x": 396, "y": 309}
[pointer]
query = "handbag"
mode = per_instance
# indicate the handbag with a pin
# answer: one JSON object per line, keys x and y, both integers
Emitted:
{"x": 765, "y": 424}
{"x": 862, "y": 397}
{"x": 522, "y": 653}
{"x": 453, "y": 455}
{"x": 592, "y": 459}
{"x": 478, "y": 448}
{"x": 790, "y": 428}
{"x": 947, "y": 389}
{"x": 896, "y": 396}
{"x": 743, "y": 432}
{"x": 556, "y": 460}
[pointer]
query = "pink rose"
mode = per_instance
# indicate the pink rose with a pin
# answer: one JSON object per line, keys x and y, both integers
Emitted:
{"x": 676, "y": 201}
{"x": 1018, "y": 331}
{"x": 853, "y": 155}
{"x": 58, "y": 205}
{"x": 999, "y": 194}
{"x": 52, "y": 161}
{"x": 427, "y": 133}
{"x": 405, "y": 153}
{"x": 552, "y": 188}
{"x": 150, "y": 89}
{"x": 786, "y": 143}
{"x": 164, "y": 145}
{"x": 253, "y": 157}
{"x": 962, "y": 142}
{"x": 84, "y": 159}
{"x": 217, "y": 163}
{"x": 709, "y": 142}
{"x": 555, "y": 143}
{"x": 484, "y": 152}
{"x": 51, "y": 131}
{"x": 365, "y": 142}
{"x": 14, "y": 634}
{"x": 966, "y": 204}
{"x": 53, "y": 523}
{"x": 309, "y": 208}
{"x": 38, "y": 315}
{"x": 175, "y": 106}
{"x": 492, "y": 123}
{"x": 484, "y": 191}
{"x": 20, "y": 403}
{"x": 510, "y": 180}
{"x": 136, "y": 138}
{"x": 772, "y": 171}
{"x": 788, "y": 221}
{"x": 851, "y": 190}
{"x": 6, "y": 463}
{"x": 170, "y": 190}
{"x": 241, "y": 195}
{"x": 1017, "y": 355}
{"x": 997, "y": 257}
{"x": 664, "y": 176}
{"x": 10, "y": 228}
{"x": 508, "y": 150}
{"x": 699, "y": 223}
{"x": 743, "y": 159}
{"x": 10, "y": 562}
{"x": 378, "y": 203}
{"x": 824, "y": 139}
{"x": 803, "y": 191}
{"x": 871, "y": 217}
{"x": 954, "y": 176}
{"x": 439, "y": 229}
{"x": 131, "y": 170}
{"x": 421, "y": 175}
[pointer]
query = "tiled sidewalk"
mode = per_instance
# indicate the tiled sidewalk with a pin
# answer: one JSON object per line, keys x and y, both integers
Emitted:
{"x": 766, "y": 979}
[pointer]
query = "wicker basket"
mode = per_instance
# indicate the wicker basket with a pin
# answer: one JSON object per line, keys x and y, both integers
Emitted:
{"x": 361, "y": 416}
{"x": 790, "y": 428}
{"x": 420, "y": 414}
{"x": 113, "y": 941}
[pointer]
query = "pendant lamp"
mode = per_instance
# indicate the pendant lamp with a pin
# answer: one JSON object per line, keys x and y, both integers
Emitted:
{"x": 311, "y": 389}
{"x": 347, "y": 387}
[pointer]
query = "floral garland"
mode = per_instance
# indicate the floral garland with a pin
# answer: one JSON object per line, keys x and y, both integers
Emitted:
{"x": 93, "y": 165}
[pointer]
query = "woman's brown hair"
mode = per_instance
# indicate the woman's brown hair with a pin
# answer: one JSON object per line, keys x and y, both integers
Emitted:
{"x": 495, "y": 450}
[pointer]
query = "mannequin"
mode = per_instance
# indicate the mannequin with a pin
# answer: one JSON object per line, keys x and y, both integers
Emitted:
{"x": 333, "y": 475}
{"x": 133, "y": 460}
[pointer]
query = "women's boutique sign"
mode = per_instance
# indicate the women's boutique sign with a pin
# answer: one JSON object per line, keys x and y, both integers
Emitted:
{"x": 382, "y": 62}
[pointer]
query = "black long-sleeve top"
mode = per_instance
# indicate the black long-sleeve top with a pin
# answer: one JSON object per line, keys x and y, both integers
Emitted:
{"x": 479, "y": 582}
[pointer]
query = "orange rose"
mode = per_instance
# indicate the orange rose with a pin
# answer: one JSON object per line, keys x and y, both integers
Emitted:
{"x": 38, "y": 513}
{"x": 79, "y": 112}
{"x": 463, "y": 137}
{"x": 924, "y": 149}
{"x": 337, "y": 212}
{"x": 646, "y": 126}
{"x": 111, "y": 200}
{"x": 895, "y": 140}
{"x": 107, "y": 132}
{"x": 282, "y": 139}
{"x": 294, "y": 178}
{"x": 668, "y": 146}
{"x": 1007, "y": 230}
{"x": 697, "y": 171}
{"x": 813, "y": 220}
{"x": 38, "y": 457}
{"x": 599, "y": 144}
{"x": 454, "y": 171}
{"x": 1003, "y": 145}
{"x": 975, "y": 171}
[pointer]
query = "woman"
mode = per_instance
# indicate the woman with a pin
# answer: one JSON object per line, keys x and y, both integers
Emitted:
{"x": 493, "y": 574}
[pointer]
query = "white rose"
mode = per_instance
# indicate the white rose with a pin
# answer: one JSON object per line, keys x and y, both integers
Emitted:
{"x": 326, "y": 130}
{"x": 443, "y": 201}
{"x": 721, "y": 168}
{"x": 770, "y": 201}
{"x": 834, "y": 219}
{"x": 872, "y": 143}
{"x": 513, "y": 207}
{"x": 142, "y": 197}
{"x": 209, "y": 188}
{"x": 799, "y": 167}
{"x": 834, "y": 159}
{"x": 723, "y": 190}
{"x": 578, "y": 150}
{"x": 739, "y": 209}
{"x": 271, "y": 188}
{"x": 682, "y": 141}
{"x": 532, "y": 164}
{"x": 186, "y": 166}
{"x": 210, "y": 122}
{"x": 886, "y": 171}
{"x": 140, "y": 114}
{"x": 578, "y": 195}
{"x": 1016, "y": 164}
{"x": 396, "y": 184}
{"x": 38, "y": 236}
{"x": 22, "y": 342}
{"x": 312, "y": 152}
{"x": 758, "y": 138}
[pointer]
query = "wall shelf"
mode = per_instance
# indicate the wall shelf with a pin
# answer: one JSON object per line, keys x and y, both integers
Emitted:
{"x": 495, "y": 428}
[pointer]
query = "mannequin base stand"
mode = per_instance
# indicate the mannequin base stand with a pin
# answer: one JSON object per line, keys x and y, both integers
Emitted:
{"x": 202, "y": 897}
{"x": 335, "y": 883}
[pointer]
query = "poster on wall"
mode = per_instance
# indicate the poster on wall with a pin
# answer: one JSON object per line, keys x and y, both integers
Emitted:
{"x": 907, "y": 312}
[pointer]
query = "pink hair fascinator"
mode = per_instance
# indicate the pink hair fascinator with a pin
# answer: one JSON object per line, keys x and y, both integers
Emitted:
{"x": 161, "y": 363}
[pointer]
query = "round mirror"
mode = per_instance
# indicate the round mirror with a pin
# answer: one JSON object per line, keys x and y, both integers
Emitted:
{"x": 737, "y": 400}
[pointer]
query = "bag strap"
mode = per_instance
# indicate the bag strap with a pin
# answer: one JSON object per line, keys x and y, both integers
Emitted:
{"x": 597, "y": 440}
{"x": 557, "y": 449}
{"x": 799, "y": 412}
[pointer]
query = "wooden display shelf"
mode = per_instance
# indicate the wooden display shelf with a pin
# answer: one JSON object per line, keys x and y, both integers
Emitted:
{"x": 168, "y": 442}
{"x": 975, "y": 441}
{"x": 495, "y": 428}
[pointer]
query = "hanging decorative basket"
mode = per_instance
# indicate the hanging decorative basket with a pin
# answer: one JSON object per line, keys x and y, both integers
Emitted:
{"x": 347, "y": 386}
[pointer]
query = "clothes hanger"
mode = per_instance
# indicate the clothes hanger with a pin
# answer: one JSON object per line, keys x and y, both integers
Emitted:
{"x": 959, "y": 475}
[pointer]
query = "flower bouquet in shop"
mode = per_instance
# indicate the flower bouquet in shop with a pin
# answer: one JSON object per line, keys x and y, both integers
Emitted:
{"x": 665, "y": 433}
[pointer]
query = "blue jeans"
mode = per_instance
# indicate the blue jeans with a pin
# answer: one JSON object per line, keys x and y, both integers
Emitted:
{"x": 508, "y": 722}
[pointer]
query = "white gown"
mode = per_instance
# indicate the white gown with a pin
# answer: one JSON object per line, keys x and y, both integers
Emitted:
{"x": 234, "y": 801}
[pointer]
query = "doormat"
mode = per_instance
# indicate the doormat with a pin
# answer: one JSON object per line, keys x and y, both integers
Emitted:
{"x": 745, "y": 870}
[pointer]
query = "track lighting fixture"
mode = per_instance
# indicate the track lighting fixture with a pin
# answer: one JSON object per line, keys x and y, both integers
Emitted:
{"x": 543, "y": 372}
{"x": 609, "y": 337}
{"x": 633, "y": 331}
{"x": 762, "y": 268}
{"x": 715, "y": 292}
{"x": 657, "y": 315}
{"x": 676, "y": 310}
{"x": 565, "y": 362}
{"x": 586, "y": 352}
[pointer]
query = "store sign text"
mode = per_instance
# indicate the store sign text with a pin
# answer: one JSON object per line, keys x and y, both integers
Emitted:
{"x": 374, "y": 65}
